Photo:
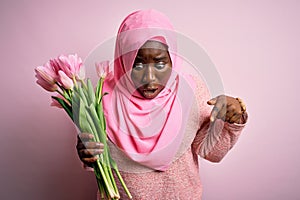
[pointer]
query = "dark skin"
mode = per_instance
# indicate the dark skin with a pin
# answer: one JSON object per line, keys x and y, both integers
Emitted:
{"x": 151, "y": 69}
{"x": 150, "y": 73}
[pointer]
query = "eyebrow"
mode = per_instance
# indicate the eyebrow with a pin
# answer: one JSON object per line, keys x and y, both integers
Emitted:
{"x": 158, "y": 58}
{"x": 139, "y": 57}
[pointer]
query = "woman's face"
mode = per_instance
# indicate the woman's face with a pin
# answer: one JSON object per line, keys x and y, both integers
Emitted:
{"x": 151, "y": 69}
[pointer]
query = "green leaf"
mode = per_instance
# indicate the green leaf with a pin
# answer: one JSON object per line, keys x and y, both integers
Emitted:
{"x": 92, "y": 125}
{"x": 83, "y": 124}
{"x": 82, "y": 96}
{"x": 98, "y": 91}
{"x": 101, "y": 134}
{"x": 90, "y": 91}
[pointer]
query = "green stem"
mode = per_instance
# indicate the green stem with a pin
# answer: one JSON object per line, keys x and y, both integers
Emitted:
{"x": 83, "y": 83}
{"x": 65, "y": 93}
{"x": 108, "y": 185}
{"x": 113, "y": 181}
{"x": 100, "y": 90}
{"x": 75, "y": 82}
{"x": 123, "y": 183}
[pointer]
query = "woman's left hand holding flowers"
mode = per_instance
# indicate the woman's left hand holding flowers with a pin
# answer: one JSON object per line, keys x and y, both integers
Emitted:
{"x": 227, "y": 108}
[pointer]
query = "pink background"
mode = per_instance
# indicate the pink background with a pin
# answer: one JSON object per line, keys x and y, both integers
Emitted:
{"x": 254, "y": 44}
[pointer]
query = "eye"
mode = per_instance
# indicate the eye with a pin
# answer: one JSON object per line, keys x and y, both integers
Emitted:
{"x": 138, "y": 66}
{"x": 160, "y": 65}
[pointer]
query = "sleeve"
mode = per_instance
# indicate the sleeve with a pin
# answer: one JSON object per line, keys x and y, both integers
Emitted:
{"x": 213, "y": 140}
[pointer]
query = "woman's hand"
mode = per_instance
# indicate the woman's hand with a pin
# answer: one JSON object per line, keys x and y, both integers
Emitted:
{"x": 88, "y": 151}
{"x": 227, "y": 108}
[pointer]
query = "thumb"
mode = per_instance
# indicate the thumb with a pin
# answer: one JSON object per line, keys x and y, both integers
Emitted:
{"x": 212, "y": 101}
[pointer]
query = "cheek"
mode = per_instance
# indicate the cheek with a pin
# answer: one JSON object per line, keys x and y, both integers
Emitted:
{"x": 164, "y": 76}
{"x": 136, "y": 78}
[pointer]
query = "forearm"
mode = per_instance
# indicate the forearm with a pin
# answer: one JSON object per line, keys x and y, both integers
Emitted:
{"x": 213, "y": 141}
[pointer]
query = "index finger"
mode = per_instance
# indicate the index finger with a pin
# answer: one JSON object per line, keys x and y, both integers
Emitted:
{"x": 85, "y": 136}
{"x": 214, "y": 113}
{"x": 216, "y": 109}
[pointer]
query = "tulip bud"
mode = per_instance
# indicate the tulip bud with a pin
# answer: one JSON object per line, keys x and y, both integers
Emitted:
{"x": 46, "y": 73}
{"x": 102, "y": 68}
{"x": 66, "y": 82}
{"x": 46, "y": 85}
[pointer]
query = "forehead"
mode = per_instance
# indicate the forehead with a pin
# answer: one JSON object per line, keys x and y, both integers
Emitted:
{"x": 153, "y": 47}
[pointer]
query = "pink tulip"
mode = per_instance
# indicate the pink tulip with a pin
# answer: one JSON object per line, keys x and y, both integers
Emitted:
{"x": 46, "y": 72}
{"x": 102, "y": 68}
{"x": 46, "y": 77}
{"x": 55, "y": 65}
{"x": 64, "y": 80}
{"x": 81, "y": 73}
{"x": 46, "y": 85}
{"x": 71, "y": 65}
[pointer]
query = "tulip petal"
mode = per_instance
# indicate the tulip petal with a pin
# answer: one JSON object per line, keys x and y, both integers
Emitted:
{"x": 70, "y": 65}
{"x": 102, "y": 68}
{"x": 81, "y": 73}
{"x": 46, "y": 85}
{"x": 46, "y": 74}
{"x": 66, "y": 82}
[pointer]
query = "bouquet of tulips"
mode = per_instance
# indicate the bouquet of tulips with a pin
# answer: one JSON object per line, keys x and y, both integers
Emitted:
{"x": 65, "y": 75}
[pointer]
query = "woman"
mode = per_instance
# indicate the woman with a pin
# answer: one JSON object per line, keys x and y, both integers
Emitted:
{"x": 160, "y": 119}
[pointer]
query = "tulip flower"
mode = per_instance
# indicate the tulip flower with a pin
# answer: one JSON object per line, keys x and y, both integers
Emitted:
{"x": 46, "y": 85}
{"x": 65, "y": 81}
{"x": 46, "y": 77}
{"x": 55, "y": 65}
{"x": 102, "y": 68}
{"x": 81, "y": 73}
{"x": 46, "y": 73}
{"x": 70, "y": 65}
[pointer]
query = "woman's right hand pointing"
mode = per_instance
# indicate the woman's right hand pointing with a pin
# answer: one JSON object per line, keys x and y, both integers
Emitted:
{"x": 88, "y": 150}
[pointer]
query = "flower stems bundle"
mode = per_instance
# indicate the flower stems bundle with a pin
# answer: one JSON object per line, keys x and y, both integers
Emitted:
{"x": 84, "y": 106}
{"x": 88, "y": 115}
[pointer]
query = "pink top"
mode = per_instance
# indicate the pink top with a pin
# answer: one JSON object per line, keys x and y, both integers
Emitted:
{"x": 181, "y": 180}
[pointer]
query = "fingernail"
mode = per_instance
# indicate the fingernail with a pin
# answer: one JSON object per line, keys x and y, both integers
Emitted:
{"x": 91, "y": 136}
{"x": 98, "y": 144}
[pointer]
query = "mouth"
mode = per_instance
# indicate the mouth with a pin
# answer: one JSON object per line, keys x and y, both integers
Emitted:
{"x": 149, "y": 92}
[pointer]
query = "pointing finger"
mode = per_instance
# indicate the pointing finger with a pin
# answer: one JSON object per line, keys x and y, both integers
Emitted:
{"x": 219, "y": 105}
{"x": 212, "y": 101}
{"x": 214, "y": 113}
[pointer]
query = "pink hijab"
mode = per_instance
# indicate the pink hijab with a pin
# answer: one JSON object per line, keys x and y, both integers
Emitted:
{"x": 148, "y": 131}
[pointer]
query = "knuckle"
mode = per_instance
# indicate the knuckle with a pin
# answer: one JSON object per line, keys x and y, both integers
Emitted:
{"x": 233, "y": 107}
{"x": 86, "y": 152}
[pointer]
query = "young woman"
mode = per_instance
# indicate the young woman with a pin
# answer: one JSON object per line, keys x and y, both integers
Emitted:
{"x": 160, "y": 119}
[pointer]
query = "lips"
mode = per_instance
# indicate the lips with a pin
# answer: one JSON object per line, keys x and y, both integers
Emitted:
{"x": 150, "y": 92}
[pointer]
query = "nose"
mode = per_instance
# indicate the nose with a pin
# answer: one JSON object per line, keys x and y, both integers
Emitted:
{"x": 149, "y": 74}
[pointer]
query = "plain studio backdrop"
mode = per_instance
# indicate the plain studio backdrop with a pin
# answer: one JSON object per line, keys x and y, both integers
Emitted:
{"x": 254, "y": 45}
